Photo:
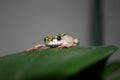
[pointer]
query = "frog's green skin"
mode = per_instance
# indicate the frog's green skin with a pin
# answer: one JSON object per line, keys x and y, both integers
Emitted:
{"x": 57, "y": 41}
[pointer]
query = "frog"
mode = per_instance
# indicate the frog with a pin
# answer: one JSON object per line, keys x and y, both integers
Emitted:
{"x": 57, "y": 41}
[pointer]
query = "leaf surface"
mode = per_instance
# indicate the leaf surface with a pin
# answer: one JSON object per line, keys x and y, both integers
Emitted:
{"x": 58, "y": 63}
{"x": 112, "y": 71}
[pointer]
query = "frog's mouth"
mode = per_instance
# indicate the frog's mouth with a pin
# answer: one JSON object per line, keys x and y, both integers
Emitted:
{"x": 53, "y": 46}
{"x": 54, "y": 43}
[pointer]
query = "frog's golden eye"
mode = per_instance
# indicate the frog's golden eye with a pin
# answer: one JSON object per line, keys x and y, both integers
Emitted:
{"x": 59, "y": 38}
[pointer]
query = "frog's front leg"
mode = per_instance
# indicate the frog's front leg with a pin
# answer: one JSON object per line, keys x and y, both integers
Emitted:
{"x": 36, "y": 47}
{"x": 64, "y": 45}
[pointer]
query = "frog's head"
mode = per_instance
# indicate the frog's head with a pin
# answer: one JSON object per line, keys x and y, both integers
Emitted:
{"x": 54, "y": 40}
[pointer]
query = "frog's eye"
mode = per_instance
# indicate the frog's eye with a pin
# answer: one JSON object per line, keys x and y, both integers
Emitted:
{"x": 58, "y": 38}
{"x": 45, "y": 39}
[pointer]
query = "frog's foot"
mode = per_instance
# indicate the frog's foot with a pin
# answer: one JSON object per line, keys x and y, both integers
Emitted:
{"x": 75, "y": 44}
{"x": 36, "y": 47}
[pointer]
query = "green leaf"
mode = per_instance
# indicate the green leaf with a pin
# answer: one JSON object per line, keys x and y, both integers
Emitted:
{"x": 58, "y": 63}
{"x": 112, "y": 71}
